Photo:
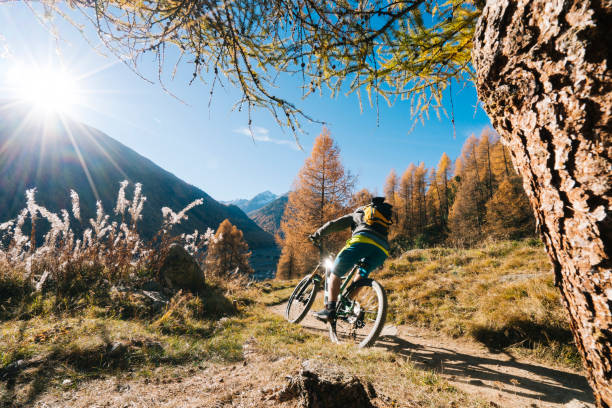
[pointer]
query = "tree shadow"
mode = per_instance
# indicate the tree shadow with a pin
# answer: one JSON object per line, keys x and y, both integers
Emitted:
{"x": 557, "y": 387}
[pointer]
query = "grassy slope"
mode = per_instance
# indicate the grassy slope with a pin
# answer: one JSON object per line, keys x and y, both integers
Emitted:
{"x": 76, "y": 346}
{"x": 501, "y": 294}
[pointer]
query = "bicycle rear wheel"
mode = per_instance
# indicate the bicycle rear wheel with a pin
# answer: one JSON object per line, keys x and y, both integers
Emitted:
{"x": 361, "y": 314}
{"x": 301, "y": 299}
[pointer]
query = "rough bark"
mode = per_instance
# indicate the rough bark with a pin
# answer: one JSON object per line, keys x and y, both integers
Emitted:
{"x": 543, "y": 76}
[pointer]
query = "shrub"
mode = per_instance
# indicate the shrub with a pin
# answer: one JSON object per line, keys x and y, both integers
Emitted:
{"x": 109, "y": 252}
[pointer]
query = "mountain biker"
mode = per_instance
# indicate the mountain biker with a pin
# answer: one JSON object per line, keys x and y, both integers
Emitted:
{"x": 369, "y": 243}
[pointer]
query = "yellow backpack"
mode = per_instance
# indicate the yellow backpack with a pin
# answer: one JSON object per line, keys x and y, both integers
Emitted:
{"x": 375, "y": 219}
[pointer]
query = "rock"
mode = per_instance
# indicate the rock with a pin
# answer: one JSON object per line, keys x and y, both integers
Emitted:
{"x": 320, "y": 385}
{"x": 66, "y": 382}
{"x": 180, "y": 271}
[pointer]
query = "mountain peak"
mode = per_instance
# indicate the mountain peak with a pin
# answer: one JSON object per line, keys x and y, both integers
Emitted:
{"x": 254, "y": 203}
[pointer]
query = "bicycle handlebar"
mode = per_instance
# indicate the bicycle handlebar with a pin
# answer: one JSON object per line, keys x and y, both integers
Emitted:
{"x": 319, "y": 245}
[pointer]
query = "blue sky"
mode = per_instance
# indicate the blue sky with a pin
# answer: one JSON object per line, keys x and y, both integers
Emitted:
{"x": 211, "y": 148}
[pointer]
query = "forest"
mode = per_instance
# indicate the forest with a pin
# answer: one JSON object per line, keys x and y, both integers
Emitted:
{"x": 478, "y": 196}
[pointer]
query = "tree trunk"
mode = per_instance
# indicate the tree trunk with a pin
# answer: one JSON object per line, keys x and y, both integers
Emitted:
{"x": 543, "y": 77}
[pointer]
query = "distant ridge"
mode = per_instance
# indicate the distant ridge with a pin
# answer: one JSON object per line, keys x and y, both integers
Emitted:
{"x": 269, "y": 216}
{"x": 58, "y": 154}
{"x": 254, "y": 203}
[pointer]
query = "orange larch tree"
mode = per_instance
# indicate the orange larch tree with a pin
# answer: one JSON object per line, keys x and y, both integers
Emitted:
{"x": 228, "y": 252}
{"x": 321, "y": 193}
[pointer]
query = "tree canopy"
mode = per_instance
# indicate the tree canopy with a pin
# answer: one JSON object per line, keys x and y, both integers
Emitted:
{"x": 391, "y": 49}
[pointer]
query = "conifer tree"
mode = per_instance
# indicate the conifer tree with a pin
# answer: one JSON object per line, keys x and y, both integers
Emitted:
{"x": 434, "y": 199}
{"x": 500, "y": 161}
{"x": 360, "y": 198}
{"x": 391, "y": 195}
{"x": 321, "y": 193}
{"x": 228, "y": 252}
{"x": 443, "y": 176}
{"x": 285, "y": 269}
{"x": 420, "y": 190}
{"x": 466, "y": 216}
{"x": 390, "y": 188}
{"x": 508, "y": 213}
{"x": 406, "y": 202}
{"x": 484, "y": 161}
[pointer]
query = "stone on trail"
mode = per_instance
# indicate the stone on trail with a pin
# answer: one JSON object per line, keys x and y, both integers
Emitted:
{"x": 180, "y": 271}
{"x": 320, "y": 385}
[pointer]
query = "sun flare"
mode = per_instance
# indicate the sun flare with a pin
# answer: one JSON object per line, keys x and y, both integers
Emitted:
{"x": 49, "y": 88}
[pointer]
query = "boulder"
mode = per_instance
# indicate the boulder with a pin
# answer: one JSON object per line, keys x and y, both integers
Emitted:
{"x": 180, "y": 271}
{"x": 320, "y": 385}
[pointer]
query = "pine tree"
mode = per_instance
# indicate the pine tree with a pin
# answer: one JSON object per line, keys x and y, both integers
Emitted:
{"x": 322, "y": 192}
{"x": 466, "y": 216}
{"x": 361, "y": 198}
{"x": 228, "y": 252}
{"x": 420, "y": 190}
{"x": 285, "y": 269}
{"x": 509, "y": 215}
{"x": 443, "y": 176}
{"x": 464, "y": 221}
{"x": 390, "y": 188}
{"x": 434, "y": 199}
{"x": 483, "y": 150}
{"x": 406, "y": 203}
{"x": 391, "y": 195}
{"x": 500, "y": 161}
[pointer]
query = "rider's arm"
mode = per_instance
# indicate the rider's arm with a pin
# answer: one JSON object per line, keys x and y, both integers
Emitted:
{"x": 334, "y": 226}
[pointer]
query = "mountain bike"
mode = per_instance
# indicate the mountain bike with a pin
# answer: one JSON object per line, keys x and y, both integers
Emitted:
{"x": 361, "y": 308}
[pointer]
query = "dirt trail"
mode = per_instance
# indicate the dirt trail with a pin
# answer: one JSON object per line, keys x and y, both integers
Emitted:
{"x": 497, "y": 377}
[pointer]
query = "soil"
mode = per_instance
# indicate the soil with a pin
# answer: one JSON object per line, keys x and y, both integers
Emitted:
{"x": 499, "y": 377}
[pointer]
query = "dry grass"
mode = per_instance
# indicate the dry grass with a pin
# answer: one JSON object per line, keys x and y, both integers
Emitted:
{"x": 501, "y": 294}
{"x": 78, "y": 347}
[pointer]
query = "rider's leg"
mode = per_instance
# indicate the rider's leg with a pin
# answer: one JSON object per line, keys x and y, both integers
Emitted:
{"x": 343, "y": 263}
{"x": 373, "y": 258}
{"x": 334, "y": 287}
{"x": 345, "y": 260}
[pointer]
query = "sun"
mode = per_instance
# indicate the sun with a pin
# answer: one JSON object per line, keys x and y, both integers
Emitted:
{"x": 49, "y": 88}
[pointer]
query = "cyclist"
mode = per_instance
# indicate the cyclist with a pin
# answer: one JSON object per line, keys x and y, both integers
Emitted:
{"x": 369, "y": 243}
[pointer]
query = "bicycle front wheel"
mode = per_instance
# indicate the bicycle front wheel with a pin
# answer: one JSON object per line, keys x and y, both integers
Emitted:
{"x": 361, "y": 314}
{"x": 301, "y": 299}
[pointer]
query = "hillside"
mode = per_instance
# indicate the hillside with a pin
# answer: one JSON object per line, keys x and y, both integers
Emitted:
{"x": 232, "y": 347}
{"x": 56, "y": 155}
{"x": 269, "y": 216}
{"x": 500, "y": 294}
{"x": 254, "y": 203}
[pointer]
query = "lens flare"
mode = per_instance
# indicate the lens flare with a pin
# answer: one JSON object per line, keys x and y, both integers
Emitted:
{"x": 49, "y": 88}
